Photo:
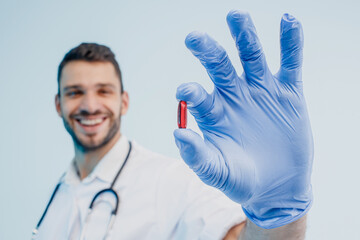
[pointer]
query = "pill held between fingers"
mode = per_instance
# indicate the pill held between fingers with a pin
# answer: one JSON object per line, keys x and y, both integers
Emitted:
{"x": 182, "y": 114}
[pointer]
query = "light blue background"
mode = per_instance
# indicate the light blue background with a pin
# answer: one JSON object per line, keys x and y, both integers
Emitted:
{"x": 148, "y": 39}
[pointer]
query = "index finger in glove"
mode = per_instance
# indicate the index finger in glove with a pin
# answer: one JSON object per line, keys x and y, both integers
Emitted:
{"x": 199, "y": 102}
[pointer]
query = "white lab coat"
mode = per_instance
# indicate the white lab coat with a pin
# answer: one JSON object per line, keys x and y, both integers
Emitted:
{"x": 160, "y": 198}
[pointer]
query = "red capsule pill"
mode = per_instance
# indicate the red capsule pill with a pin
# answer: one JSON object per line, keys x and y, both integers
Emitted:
{"x": 182, "y": 114}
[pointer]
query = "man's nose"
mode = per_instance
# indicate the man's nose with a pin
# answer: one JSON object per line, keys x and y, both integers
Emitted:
{"x": 90, "y": 103}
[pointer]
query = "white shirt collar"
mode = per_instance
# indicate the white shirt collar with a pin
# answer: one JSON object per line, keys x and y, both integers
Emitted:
{"x": 107, "y": 167}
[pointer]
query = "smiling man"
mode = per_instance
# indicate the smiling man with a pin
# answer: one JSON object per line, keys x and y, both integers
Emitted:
{"x": 90, "y": 101}
{"x": 257, "y": 149}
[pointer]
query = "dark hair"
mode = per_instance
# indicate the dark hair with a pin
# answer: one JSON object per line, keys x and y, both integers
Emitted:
{"x": 91, "y": 52}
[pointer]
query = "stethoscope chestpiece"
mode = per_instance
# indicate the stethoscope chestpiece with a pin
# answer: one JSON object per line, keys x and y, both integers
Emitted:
{"x": 92, "y": 204}
{"x": 109, "y": 190}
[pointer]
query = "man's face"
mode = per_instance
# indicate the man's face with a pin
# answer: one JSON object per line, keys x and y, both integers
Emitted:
{"x": 91, "y": 103}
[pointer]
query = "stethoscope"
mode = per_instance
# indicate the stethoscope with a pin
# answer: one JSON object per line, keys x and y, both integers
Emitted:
{"x": 97, "y": 195}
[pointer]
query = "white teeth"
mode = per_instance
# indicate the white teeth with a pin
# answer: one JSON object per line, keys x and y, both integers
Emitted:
{"x": 90, "y": 122}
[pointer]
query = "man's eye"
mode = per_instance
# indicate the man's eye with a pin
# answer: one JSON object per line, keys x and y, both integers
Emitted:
{"x": 104, "y": 91}
{"x": 73, "y": 93}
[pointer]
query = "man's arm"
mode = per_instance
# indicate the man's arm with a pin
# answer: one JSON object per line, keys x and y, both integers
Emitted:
{"x": 249, "y": 231}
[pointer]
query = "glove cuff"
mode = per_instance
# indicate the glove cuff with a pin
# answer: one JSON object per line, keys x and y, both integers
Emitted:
{"x": 277, "y": 217}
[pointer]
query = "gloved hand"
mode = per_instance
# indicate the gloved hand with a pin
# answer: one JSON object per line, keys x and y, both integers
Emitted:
{"x": 257, "y": 145}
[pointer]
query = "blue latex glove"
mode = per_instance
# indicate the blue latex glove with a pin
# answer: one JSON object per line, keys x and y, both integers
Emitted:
{"x": 257, "y": 145}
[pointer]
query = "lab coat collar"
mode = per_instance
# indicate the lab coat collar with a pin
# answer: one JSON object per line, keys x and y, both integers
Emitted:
{"x": 106, "y": 169}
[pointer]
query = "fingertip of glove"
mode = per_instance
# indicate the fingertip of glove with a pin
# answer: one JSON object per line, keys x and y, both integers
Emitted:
{"x": 183, "y": 90}
{"x": 289, "y": 22}
{"x": 176, "y": 136}
{"x": 237, "y": 16}
{"x": 194, "y": 40}
{"x": 288, "y": 17}
{"x": 187, "y": 91}
{"x": 176, "y": 133}
{"x": 182, "y": 137}
{"x": 181, "y": 134}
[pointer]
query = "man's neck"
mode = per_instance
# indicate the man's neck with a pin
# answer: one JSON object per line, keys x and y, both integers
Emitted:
{"x": 85, "y": 162}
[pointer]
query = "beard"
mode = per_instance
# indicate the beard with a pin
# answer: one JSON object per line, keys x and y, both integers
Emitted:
{"x": 89, "y": 147}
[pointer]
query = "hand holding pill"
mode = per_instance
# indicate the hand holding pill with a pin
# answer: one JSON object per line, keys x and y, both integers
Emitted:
{"x": 257, "y": 143}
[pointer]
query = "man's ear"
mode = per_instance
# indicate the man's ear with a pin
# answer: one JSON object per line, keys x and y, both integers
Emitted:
{"x": 57, "y": 104}
{"x": 124, "y": 103}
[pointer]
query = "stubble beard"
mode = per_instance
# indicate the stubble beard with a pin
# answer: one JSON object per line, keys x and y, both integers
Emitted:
{"x": 84, "y": 147}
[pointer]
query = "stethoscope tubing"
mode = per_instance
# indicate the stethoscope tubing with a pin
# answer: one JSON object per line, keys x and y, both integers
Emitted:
{"x": 97, "y": 195}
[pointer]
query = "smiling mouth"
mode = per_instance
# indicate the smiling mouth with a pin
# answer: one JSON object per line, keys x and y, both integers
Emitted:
{"x": 91, "y": 122}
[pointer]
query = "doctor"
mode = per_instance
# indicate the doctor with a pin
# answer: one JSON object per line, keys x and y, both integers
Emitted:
{"x": 257, "y": 149}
